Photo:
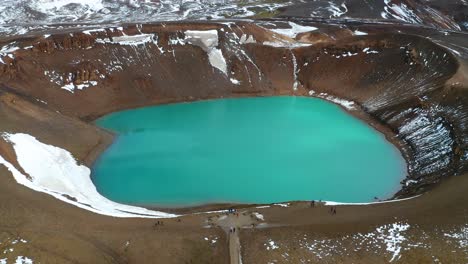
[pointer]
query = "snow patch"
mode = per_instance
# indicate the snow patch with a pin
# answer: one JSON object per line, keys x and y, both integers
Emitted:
{"x": 259, "y": 216}
{"x": 7, "y": 50}
{"x": 369, "y": 51}
{"x": 348, "y": 105}
{"x": 285, "y": 44}
{"x": 72, "y": 87}
{"x": 50, "y": 6}
{"x": 55, "y": 171}
{"x": 360, "y": 33}
{"x": 401, "y": 12}
{"x": 461, "y": 236}
{"x": 294, "y": 30}
{"x": 245, "y": 39}
{"x": 129, "y": 40}
{"x": 23, "y": 260}
{"x": 331, "y": 203}
{"x": 235, "y": 81}
{"x": 295, "y": 71}
{"x": 88, "y": 32}
{"x": 428, "y": 132}
{"x": 337, "y": 11}
{"x": 271, "y": 245}
{"x": 393, "y": 237}
{"x": 208, "y": 41}
{"x": 409, "y": 182}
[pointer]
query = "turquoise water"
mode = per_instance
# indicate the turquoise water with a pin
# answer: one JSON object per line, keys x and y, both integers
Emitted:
{"x": 246, "y": 150}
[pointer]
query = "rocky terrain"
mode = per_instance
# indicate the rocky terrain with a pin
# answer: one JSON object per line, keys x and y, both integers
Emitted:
{"x": 401, "y": 66}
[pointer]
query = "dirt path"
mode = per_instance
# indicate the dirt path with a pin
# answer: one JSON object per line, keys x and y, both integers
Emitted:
{"x": 234, "y": 248}
{"x": 231, "y": 223}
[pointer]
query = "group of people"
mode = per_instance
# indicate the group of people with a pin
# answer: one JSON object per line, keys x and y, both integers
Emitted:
{"x": 158, "y": 223}
{"x": 232, "y": 230}
{"x": 332, "y": 209}
{"x": 232, "y": 211}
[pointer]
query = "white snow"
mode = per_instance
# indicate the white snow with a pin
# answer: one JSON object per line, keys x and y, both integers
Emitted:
{"x": 285, "y": 44}
{"x": 461, "y": 236}
{"x": 235, "y": 81}
{"x": 337, "y": 11}
{"x": 129, "y": 40}
{"x": 428, "y": 132}
{"x": 88, "y": 32}
{"x": 23, "y": 260}
{"x": 3, "y": 261}
{"x": 11, "y": 47}
{"x": 47, "y": 6}
{"x": 331, "y": 203}
{"x": 343, "y": 55}
{"x": 369, "y": 51}
{"x": 294, "y": 30}
{"x": 295, "y": 71}
{"x": 245, "y": 39}
{"x": 72, "y": 87}
{"x": 259, "y": 216}
{"x": 271, "y": 245}
{"x": 348, "y": 105}
{"x": 409, "y": 182}
{"x": 69, "y": 87}
{"x": 393, "y": 238}
{"x": 360, "y": 33}
{"x": 208, "y": 41}
{"x": 401, "y": 12}
{"x": 55, "y": 171}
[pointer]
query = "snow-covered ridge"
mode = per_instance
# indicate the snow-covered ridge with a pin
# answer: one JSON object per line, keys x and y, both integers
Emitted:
{"x": 23, "y": 16}
{"x": 55, "y": 171}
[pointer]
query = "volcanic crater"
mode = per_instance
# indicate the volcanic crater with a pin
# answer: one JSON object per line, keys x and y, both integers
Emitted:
{"x": 410, "y": 87}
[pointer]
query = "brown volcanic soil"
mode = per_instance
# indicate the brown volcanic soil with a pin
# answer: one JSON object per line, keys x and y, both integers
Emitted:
{"x": 413, "y": 90}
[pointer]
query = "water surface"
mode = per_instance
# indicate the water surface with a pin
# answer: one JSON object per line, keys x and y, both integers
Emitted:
{"x": 246, "y": 150}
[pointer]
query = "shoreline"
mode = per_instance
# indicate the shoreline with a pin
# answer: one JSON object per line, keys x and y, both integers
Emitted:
{"x": 357, "y": 112}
